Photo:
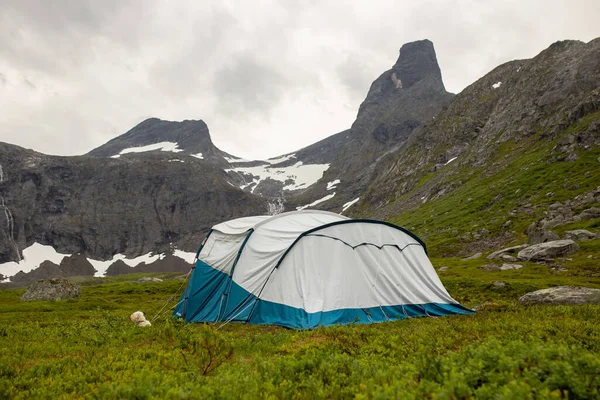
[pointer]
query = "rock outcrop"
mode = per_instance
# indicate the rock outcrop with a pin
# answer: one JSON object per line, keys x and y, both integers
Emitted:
{"x": 562, "y": 295}
{"x": 52, "y": 289}
{"x": 580, "y": 235}
{"x": 548, "y": 250}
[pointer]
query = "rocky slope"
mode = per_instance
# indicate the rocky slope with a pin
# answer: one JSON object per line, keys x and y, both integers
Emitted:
{"x": 129, "y": 205}
{"x": 518, "y": 145}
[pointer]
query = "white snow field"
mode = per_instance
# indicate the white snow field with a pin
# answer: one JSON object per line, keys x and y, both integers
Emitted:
{"x": 37, "y": 253}
{"x": 162, "y": 146}
{"x": 314, "y": 203}
{"x": 302, "y": 175}
{"x": 348, "y": 204}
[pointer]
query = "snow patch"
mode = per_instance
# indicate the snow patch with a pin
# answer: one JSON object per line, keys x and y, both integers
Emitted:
{"x": 518, "y": 69}
{"x": 33, "y": 256}
{"x": 348, "y": 204}
{"x": 184, "y": 255}
{"x": 314, "y": 203}
{"x": 332, "y": 184}
{"x": 450, "y": 160}
{"x": 176, "y": 160}
{"x": 497, "y": 84}
{"x": 301, "y": 175}
{"x": 199, "y": 155}
{"x": 162, "y": 146}
{"x": 37, "y": 253}
{"x": 281, "y": 159}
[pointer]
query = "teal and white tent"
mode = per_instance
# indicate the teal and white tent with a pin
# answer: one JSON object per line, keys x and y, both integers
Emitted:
{"x": 310, "y": 268}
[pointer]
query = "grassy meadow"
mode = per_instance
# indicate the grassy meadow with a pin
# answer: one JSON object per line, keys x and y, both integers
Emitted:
{"x": 88, "y": 348}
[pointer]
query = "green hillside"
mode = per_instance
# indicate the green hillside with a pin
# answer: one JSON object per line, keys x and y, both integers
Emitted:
{"x": 89, "y": 349}
{"x": 513, "y": 189}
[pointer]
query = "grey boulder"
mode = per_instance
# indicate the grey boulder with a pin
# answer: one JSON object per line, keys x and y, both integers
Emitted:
{"x": 548, "y": 250}
{"x": 580, "y": 235}
{"x": 51, "y": 289}
{"x": 562, "y": 295}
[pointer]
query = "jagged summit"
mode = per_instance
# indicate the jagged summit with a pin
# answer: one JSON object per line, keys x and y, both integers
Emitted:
{"x": 189, "y": 137}
{"x": 417, "y": 61}
{"x": 416, "y": 73}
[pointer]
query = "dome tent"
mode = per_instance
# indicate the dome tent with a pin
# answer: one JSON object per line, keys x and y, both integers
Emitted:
{"x": 311, "y": 268}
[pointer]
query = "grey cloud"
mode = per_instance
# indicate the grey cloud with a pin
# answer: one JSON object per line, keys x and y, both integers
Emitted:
{"x": 248, "y": 85}
{"x": 269, "y": 73}
{"x": 356, "y": 76}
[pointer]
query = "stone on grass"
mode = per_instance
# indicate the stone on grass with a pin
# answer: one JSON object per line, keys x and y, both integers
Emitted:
{"x": 590, "y": 213}
{"x": 508, "y": 267}
{"x": 149, "y": 279}
{"x": 499, "y": 284}
{"x": 507, "y": 251}
{"x": 473, "y": 257}
{"x": 51, "y": 289}
{"x": 580, "y": 235}
{"x": 443, "y": 269}
{"x": 562, "y": 295}
{"x": 490, "y": 267}
{"x": 548, "y": 250}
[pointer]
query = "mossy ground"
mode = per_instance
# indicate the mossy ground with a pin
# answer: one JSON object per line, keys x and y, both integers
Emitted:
{"x": 88, "y": 348}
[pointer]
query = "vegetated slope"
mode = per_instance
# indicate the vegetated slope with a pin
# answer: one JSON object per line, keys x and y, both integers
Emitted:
{"x": 90, "y": 348}
{"x": 131, "y": 205}
{"x": 518, "y": 145}
{"x": 399, "y": 101}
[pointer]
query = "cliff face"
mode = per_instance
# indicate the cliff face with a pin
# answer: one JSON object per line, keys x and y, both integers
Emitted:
{"x": 131, "y": 205}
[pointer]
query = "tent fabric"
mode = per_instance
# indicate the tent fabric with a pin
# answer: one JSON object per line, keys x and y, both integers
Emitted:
{"x": 312, "y": 268}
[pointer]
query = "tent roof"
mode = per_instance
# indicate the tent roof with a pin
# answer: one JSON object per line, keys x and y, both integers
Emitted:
{"x": 312, "y": 217}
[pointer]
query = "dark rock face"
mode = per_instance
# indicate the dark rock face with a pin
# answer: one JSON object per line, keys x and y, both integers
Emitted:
{"x": 100, "y": 207}
{"x": 52, "y": 289}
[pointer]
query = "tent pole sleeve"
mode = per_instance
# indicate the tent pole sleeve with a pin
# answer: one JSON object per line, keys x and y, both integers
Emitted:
{"x": 237, "y": 258}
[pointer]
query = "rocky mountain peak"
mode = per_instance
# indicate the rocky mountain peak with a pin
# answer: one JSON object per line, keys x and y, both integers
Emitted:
{"x": 189, "y": 137}
{"x": 417, "y": 61}
{"x": 415, "y": 74}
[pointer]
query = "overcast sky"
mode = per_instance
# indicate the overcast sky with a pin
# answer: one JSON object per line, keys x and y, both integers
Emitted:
{"x": 268, "y": 77}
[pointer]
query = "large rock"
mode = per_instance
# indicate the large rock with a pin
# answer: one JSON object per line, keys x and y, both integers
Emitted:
{"x": 52, "y": 289}
{"x": 548, "y": 250}
{"x": 590, "y": 213}
{"x": 580, "y": 235}
{"x": 562, "y": 295}
{"x": 508, "y": 267}
{"x": 537, "y": 233}
{"x": 508, "y": 251}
